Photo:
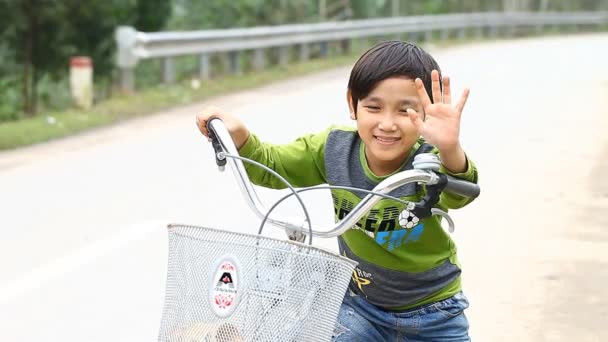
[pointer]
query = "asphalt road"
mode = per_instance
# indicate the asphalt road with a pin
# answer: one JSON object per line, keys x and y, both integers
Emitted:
{"x": 83, "y": 247}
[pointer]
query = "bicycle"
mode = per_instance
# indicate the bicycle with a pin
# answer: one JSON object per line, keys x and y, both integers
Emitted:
{"x": 227, "y": 286}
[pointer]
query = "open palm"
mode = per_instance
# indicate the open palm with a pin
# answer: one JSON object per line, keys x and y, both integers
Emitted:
{"x": 441, "y": 124}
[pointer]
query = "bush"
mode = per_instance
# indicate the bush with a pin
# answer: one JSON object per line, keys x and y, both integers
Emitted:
{"x": 10, "y": 99}
{"x": 53, "y": 94}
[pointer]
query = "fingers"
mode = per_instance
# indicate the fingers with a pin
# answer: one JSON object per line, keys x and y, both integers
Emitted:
{"x": 422, "y": 94}
{"x": 447, "y": 92}
{"x": 462, "y": 101}
{"x": 435, "y": 86}
{"x": 415, "y": 118}
{"x": 203, "y": 118}
{"x": 201, "y": 123}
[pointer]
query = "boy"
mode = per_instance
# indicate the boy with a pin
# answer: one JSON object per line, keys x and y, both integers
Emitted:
{"x": 407, "y": 284}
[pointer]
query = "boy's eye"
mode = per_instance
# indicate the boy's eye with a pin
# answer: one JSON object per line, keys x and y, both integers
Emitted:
{"x": 372, "y": 107}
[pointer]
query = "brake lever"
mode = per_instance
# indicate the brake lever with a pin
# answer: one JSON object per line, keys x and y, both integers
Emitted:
{"x": 220, "y": 158}
{"x": 444, "y": 215}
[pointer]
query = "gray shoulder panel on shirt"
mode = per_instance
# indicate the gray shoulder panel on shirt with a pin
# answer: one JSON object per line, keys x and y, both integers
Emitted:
{"x": 343, "y": 166}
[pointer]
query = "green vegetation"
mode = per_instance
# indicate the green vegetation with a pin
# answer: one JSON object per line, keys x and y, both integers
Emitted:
{"x": 55, "y": 124}
{"x": 38, "y": 38}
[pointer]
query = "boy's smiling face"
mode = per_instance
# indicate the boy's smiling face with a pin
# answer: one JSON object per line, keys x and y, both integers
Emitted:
{"x": 383, "y": 123}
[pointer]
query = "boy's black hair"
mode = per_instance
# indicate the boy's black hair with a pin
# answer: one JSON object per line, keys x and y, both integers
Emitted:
{"x": 390, "y": 59}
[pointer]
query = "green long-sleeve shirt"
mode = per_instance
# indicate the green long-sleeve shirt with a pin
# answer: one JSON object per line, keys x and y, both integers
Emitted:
{"x": 398, "y": 267}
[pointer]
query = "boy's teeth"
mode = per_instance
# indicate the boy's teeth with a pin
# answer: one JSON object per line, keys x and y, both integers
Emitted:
{"x": 386, "y": 139}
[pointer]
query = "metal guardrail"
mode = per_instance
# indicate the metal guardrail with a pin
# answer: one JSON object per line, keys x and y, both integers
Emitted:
{"x": 134, "y": 46}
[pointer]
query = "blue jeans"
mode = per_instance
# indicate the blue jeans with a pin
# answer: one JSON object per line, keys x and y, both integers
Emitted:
{"x": 443, "y": 321}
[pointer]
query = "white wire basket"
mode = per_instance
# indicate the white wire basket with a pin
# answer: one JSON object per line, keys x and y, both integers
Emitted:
{"x": 224, "y": 286}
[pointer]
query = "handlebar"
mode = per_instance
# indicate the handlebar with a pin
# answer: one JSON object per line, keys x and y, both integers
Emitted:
{"x": 461, "y": 187}
{"x": 220, "y": 160}
{"x": 448, "y": 183}
{"x": 223, "y": 144}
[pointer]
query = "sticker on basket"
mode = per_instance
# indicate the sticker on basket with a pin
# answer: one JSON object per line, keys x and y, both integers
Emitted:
{"x": 224, "y": 291}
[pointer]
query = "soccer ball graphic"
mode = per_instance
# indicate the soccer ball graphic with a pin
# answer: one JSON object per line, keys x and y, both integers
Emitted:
{"x": 407, "y": 219}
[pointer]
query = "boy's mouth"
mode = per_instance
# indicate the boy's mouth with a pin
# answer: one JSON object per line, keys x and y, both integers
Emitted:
{"x": 384, "y": 140}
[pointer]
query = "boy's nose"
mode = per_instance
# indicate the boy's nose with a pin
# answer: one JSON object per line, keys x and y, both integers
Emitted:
{"x": 387, "y": 123}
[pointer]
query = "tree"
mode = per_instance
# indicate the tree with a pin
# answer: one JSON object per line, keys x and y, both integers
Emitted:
{"x": 152, "y": 15}
{"x": 45, "y": 34}
{"x": 219, "y": 14}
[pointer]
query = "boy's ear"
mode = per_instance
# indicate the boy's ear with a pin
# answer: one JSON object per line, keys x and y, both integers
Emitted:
{"x": 351, "y": 108}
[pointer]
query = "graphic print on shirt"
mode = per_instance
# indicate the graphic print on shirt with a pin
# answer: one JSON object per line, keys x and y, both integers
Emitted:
{"x": 381, "y": 224}
{"x": 361, "y": 278}
{"x": 407, "y": 218}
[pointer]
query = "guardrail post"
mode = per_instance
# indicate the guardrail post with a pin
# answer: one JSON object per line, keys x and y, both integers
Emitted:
{"x": 168, "y": 70}
{"x": 203, "y": 67}
{"x": 445, "y": 34}
{"x": 493, "y": 31}
{"x": 574, "y": 27}
{"x": 428, "y": 35}
{"x": 412, "y": 37}
{"x": 345, "y": 46}
{"x": 283, "y": 55}
{"x": 127, "y": 79}
{"x": 304, "y": 52}
{"x": 511, "y": 30}
{"x": 233, "y": 59}
{"x": 126, "y": 59}
{"x": 479, "y": 32}
{"x": 259, "y": 59}
{"x": 324, "y": 49}
{"x": 539, "y": 28}
{"x": 462, "y": 34}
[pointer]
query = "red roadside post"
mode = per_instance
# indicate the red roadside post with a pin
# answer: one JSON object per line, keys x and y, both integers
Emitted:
{"x": 81, "y": 81}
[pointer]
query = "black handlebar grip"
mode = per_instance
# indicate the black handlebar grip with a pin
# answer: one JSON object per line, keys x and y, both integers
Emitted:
{"x": 215, "y": 142}
{"x": 462, "y": 187}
